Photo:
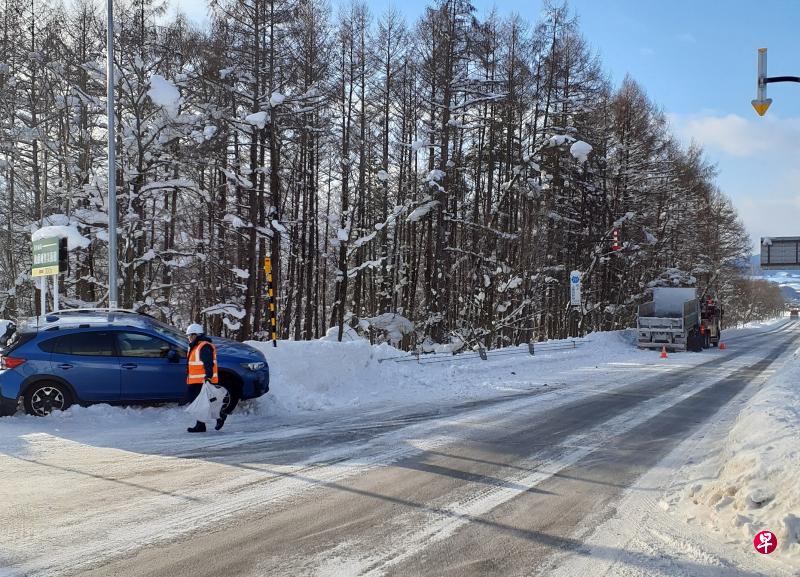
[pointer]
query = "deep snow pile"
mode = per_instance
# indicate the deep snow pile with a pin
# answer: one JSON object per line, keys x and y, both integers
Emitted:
{"x": 326, "y": 374}
{"x": 753, "y": 483}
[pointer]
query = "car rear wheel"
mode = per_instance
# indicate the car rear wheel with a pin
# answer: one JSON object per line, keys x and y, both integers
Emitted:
{"x": 43, "y": 398}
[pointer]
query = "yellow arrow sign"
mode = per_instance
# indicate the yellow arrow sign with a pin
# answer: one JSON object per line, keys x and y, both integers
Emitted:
{"x": 761, "y": 106}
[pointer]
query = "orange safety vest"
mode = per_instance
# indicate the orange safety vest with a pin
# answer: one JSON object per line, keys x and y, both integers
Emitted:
{"x": 197, "y": 372}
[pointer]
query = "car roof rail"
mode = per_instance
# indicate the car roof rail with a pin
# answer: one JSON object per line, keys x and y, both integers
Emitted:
{"x": 97, "y": 310}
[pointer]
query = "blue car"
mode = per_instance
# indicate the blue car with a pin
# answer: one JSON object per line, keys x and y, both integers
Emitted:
{"x": 111, "y": 356}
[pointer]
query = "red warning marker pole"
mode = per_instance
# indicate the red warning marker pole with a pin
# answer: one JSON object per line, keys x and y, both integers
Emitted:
{"x": 664, "y": 352}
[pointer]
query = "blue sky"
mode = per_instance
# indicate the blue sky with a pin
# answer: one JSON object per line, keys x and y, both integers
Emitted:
{"x": 697, "y": 60}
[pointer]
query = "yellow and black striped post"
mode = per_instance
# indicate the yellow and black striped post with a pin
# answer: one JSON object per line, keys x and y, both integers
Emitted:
{"x": 271, "y": 297}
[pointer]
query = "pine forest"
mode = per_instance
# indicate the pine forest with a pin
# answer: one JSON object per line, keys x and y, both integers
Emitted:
{"x": 431, "y": 183}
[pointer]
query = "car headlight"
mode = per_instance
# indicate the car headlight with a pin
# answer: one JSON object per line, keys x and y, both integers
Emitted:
{"x": 254, "y": 366}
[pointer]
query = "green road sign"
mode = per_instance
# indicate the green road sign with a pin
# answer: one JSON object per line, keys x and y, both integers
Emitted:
{"x": 45, "y": 257}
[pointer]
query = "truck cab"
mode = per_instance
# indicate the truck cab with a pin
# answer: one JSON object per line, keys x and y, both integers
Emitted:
{"x": 710, "y": 322}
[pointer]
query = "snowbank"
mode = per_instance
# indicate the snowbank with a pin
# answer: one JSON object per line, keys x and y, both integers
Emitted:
{"x": 756, "y": 487}
{"x": 309, "y": 377}
{"x": 355, "y": 373}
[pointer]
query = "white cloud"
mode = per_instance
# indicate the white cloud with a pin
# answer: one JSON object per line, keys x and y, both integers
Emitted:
{"x": 757, "y": 163}
{"x": 738, "y": 136}
{"x": 687, "y": 38}
{"x": 646, "y": 51}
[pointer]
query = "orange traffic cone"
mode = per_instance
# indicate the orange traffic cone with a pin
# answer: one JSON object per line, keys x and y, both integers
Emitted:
{"x": 722, "y": 346}
{"x": 663, "y": 352}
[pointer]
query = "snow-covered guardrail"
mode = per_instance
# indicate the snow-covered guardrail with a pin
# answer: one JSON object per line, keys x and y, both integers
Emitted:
{"x": 483, "y": 354}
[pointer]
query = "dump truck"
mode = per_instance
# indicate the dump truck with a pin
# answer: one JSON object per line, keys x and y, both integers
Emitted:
{"x": 677, "y": 319}
{"x": 668, "y": 319}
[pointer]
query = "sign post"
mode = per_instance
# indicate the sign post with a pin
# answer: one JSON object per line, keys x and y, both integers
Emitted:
{"x": 50, "y": 258}
{"x": 575, "y": 299}
{"x": 780, "y": 253}
{"x": 575, "y": 288}
{"x": 45, "y": 263}
{"x": 45, "y": 257}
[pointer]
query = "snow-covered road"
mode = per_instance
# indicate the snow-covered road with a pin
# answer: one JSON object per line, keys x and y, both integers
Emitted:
{"x": 566, "y": 463}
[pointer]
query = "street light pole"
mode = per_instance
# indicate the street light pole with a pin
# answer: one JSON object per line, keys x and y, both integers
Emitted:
{"x": 761, "y": 103}
{"x": 112, "y": 163}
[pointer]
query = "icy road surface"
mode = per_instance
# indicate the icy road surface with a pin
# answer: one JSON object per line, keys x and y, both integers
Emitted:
{"x": 563, "y": 475}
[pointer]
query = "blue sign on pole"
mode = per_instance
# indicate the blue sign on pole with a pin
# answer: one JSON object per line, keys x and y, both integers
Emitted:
{"x": 575, "y": 288}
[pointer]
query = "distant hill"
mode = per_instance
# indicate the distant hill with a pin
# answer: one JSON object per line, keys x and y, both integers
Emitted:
{"x": 788, "y": 280}
{"x": 790, "y": 293}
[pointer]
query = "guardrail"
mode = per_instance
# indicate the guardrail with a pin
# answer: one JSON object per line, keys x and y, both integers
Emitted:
{"x": 483, "y": 354}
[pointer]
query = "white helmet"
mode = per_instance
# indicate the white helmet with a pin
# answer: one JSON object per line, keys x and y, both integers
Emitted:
{"x": 194, "y": 329}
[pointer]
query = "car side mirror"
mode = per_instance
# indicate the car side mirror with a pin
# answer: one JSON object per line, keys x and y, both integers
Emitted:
{"x": 173, "y": 356}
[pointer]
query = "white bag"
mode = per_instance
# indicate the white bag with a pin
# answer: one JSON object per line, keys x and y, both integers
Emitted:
{"x": 208, "y": 404}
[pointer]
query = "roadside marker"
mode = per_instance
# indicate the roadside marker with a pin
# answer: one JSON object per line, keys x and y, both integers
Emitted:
{"x": 271, "y": 299}
{"x": 663, "y": 352}
{"x": 722, "y": 346}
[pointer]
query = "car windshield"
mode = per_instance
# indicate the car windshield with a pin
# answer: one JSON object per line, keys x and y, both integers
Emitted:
{"x": 167, "y": 330}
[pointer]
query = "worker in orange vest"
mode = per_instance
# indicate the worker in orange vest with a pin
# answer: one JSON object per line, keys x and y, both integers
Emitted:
{"x": 201, "y": 368}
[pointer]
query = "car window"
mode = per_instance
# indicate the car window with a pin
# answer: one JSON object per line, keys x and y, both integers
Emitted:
{"x": 89, "y": 343}
{"x": 142, "y": 346}
{"x": 167, "y": 330}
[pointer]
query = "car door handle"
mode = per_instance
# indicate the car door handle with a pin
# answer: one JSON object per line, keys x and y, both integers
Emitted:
{"x": 129, "y": 366}
{"x": 65, "y": 366}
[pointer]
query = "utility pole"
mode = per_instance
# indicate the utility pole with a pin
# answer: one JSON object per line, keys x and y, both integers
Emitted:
{"x": 112, "y": 163}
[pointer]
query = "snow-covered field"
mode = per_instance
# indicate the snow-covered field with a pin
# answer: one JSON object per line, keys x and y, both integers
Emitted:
{"x": 741, "y": 476}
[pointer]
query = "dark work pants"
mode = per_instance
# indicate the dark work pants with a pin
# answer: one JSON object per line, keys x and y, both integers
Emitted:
{"x": 192, "y": 391}
{"x": 191, "y": 394}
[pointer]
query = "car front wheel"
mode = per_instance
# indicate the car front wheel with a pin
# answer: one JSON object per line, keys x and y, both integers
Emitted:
{"x": 43, "y": 398}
